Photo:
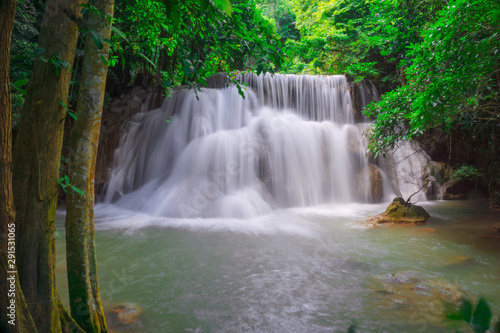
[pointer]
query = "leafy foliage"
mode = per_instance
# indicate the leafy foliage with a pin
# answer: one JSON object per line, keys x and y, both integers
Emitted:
{"x": 479, "y": 317}
{"x": 281, "y": 14}
{"x": 356, "y": 37}
{"x": 466, "y": 172}
{"x": 181, "y": 42}
{"x": 162, "y": 42}
{"x": 437, "y": 62}
{"x": 450, "y": 79}
{"x": 65, "y": 184}
{"x": 23, "y": 51}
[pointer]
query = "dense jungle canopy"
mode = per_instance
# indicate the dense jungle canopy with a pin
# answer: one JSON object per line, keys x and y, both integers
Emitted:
{"x": 435, "y": 61}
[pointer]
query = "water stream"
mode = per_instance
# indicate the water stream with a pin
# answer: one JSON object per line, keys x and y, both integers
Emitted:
{"x": 292, "y": 142}
{"x": 225, "y": 214}
{"x": 295, "y": 270}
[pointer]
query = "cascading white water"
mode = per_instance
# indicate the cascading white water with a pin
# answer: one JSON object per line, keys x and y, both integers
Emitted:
{"x": 291, "y": 142}
{"x": 408, "y": 169}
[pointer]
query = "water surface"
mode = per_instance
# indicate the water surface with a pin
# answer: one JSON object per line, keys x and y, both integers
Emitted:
{"x": 295, "y": 270}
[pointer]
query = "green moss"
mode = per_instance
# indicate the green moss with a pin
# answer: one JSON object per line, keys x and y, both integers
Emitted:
{"x": 399, "y": 211}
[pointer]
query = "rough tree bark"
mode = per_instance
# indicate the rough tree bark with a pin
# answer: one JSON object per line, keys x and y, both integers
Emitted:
{"x": 21, "y": 321}
{"x": 85, "y": 301}
{"x": 36, "y": 161}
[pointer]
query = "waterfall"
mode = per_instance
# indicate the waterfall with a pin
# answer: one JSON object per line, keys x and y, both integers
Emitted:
{"x": 408, "y": 167}
{"x": 291, "y": 142}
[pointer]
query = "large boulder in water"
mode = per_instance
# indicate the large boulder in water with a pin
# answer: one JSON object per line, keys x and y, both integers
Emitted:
{"x": 402, "y": 212}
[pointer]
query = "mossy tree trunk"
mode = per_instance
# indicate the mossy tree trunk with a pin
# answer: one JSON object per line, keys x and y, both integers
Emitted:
{"x": 85, "y": 301}
{"x": 36, "y": 161}
{"x": 22, "y": 322}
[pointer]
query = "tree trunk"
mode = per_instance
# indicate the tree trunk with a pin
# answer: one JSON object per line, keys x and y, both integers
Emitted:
{"x": 85, "y": 302}
{"x": 37, "y": 156}
{"x": 14, "y": 313}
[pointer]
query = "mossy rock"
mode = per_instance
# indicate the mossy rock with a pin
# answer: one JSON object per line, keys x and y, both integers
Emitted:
{"x": 401, "y": 212}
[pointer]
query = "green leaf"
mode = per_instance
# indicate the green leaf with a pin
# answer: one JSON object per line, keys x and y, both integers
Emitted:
{"x": 91, "y": 8}
{"x": 97, "y": 39}
{"x": 223, "y": 5}
{"x": 260, "y": 69}
{"x": 77, "y": 190}
{"x": 452, "y": 312}
{"x": 18, "y": 57}
{"x": 72, "y": 115}
{"x": 57, "y": 70}
{"x": 147, "y": 59}
{"x": 118, "y": 32}
{"x": 466, "y": 310}
{"x": 20, "y": 83}
{"x": 64, "y": 182}
{"x": 59, "y": 62}
{"x": 61, "y": 180}
{"x": 482, "y": 316}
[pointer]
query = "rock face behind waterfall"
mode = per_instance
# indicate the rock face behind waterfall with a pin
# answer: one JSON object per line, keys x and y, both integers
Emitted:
{"x": 401, "y": 212}
{"x": 362, "y": 93}
{"x": 120, "y": 111}
{"x": 292, "y": 142}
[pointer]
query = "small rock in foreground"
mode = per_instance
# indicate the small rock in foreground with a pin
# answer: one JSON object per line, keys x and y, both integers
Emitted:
{"x": 125, "y": 315}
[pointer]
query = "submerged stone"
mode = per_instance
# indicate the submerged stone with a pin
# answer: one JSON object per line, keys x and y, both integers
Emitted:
{"x": 409, "y": 285}
{"x": 407, "y": 294}
{"x": 125, "y": 315}
{"x": 403, "y": 277}
{"x": 426, "y": 231}
{"x": 402, "y": 212}
{"x": 459, "y": 260}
